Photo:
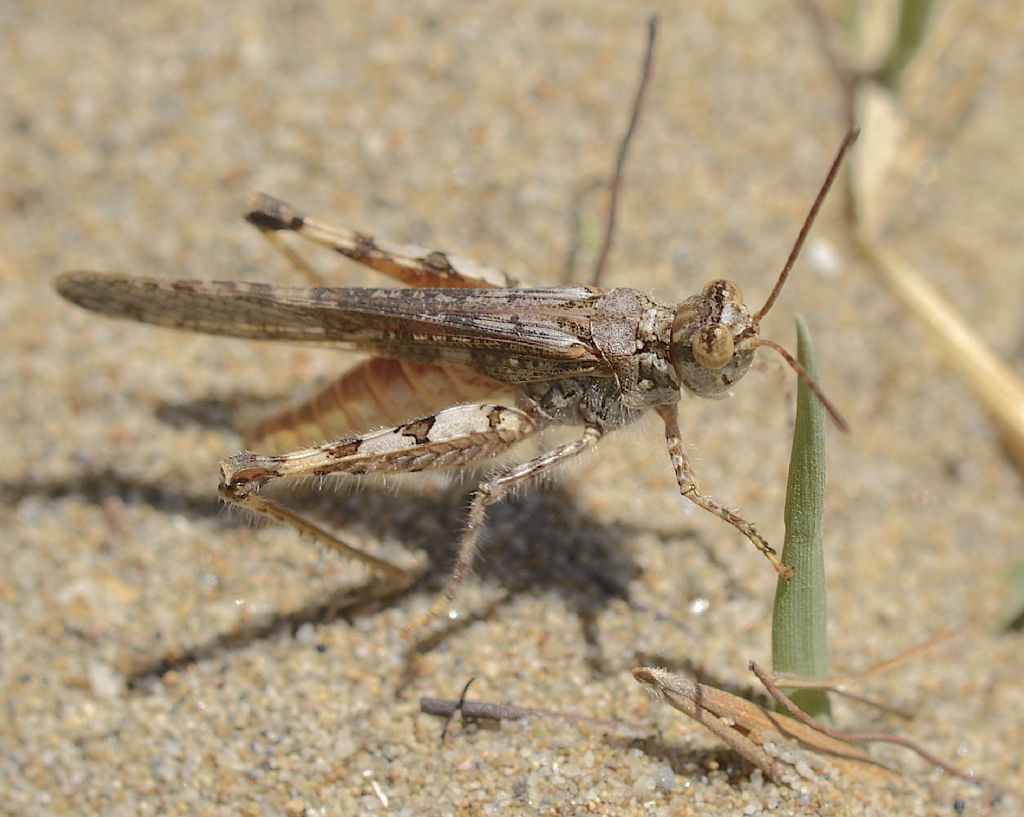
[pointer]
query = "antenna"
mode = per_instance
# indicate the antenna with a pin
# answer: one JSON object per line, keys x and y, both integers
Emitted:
{"x": 851, "y": 137}
{"x": 804, "y": 375}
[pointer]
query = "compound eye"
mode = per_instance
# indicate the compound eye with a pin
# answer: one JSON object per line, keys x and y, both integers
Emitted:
{"x": 713, "y": 346}
{"x": 723, "y": 291}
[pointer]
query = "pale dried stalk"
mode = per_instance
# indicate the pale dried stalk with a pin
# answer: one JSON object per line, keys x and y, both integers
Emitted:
{"x": 995, "y": 384}
{"x": 924, "y": 118}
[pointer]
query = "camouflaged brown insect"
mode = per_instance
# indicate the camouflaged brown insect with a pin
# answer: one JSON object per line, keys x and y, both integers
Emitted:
{"x": 463, "y": 366}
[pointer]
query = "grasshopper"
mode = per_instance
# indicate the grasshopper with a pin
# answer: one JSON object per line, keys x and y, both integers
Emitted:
{"x": 477, "y": 364}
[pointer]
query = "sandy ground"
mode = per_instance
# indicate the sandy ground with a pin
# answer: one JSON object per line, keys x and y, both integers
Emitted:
{"x": 162, "y": 656}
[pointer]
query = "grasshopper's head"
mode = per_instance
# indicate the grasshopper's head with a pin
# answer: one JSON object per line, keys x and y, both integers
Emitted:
{"x": 713, "y": 339}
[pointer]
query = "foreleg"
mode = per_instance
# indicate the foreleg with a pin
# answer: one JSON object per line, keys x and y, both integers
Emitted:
{"x": 688, "y": 487}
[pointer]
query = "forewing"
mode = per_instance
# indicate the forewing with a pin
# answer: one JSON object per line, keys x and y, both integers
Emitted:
{"x": 516, "y": 335}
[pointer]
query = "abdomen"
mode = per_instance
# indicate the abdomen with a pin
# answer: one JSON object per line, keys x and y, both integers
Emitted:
{"x": 376, "y": 393}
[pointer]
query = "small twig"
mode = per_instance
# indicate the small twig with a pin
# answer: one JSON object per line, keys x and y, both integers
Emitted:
{"x": 904, "y": 713}
{"x": 459, "y": 707}
{"x": 620, "y": 161}
{"x": 744, "y": 726}
{"x": 491, "y": 711}
{"x": 864, "y": 737}
{"x": 916, "y": 651}
{"x": 836, "y": 685}
{"x": 839, "y": 683}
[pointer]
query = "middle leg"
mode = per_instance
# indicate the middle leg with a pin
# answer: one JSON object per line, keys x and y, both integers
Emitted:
{"x": 486, "y": 494}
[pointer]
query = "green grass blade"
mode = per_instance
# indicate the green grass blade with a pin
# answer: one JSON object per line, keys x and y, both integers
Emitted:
{"x": 1013, "y": 608}
{"x": 911, "y": 31}
{"x": 800, "y": 615}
